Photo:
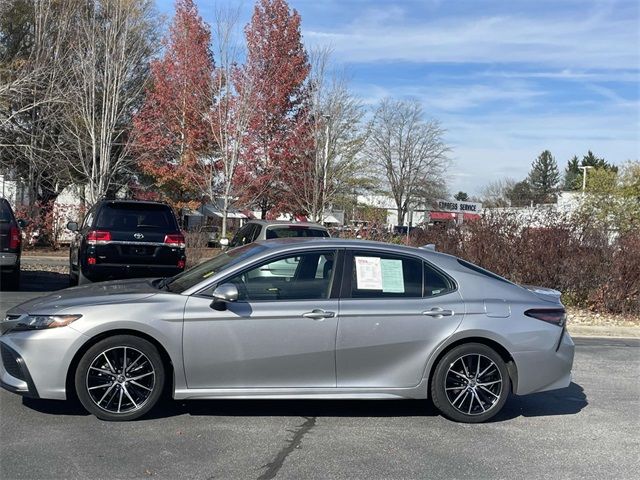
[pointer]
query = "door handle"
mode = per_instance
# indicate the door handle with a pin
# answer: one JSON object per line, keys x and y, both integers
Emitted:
{"x": 438, "y": 312}
{"x": 318, "y": 314}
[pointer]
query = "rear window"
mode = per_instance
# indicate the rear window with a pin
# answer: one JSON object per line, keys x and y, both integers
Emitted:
{"x": 5, "y": 212}
{"x": 481, "y": 271}
{"x": 134, "y": 216}
{"x": 294, "y": 231}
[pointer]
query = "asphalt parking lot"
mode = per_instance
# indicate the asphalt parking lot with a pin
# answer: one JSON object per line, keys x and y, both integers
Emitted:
{"x": 589, "y": 430}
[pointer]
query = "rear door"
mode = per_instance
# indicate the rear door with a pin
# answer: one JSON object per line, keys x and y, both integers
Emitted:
{"x": 394, "y": 311}
{"x": 138, "y": 232}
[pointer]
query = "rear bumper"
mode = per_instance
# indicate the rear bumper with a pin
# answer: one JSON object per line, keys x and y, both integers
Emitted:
{"x": 116, "y": 272}
{"x": 540, "y": 371}
{"x": 9, "y": 261}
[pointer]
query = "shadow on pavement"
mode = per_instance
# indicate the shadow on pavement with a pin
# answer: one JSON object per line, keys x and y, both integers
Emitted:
{"x": 38, "y": 281}
{"x": 568, "y": 401}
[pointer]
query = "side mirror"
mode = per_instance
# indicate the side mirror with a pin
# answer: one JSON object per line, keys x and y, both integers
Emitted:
{"x": 73, "y": 226}
{"x": 224, "y": 294}
{"x": 22, "y": 223}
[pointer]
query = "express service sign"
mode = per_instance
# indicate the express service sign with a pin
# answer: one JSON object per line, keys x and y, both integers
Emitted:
{"x": 455, "y": 206}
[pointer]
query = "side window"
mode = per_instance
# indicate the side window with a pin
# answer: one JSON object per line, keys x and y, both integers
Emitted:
{"x": 242, "y": 236}
{"x": 254, "y": 233}
{"x": 435, "y": 283}
{"x": 306, "y": 276}
{"x": 380, "y": 275}
{"x": 88, "y": 219}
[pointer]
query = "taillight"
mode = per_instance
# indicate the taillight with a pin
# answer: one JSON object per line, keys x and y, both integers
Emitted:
{"x": 175, "y": 240}
{"x": 15, "y": 238}
{"x": 181, "y": 263}
{"x": 96, "y": 237}
{"x": 91, "y": 260}
{"x": 557, "y": 316}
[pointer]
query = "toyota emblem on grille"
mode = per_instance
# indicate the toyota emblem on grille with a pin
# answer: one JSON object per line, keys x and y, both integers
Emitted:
{"x": 138, "y": 236}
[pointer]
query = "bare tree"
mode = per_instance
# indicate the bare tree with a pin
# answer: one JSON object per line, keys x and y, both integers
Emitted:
{"x": 337, "y": 137}
{"x": 230, "y": 114}
{"x": 107, "y": 73}
{"x": 32, "y": 68}
{"x": 409, "y": 151}
{"x": 497, "y": 193}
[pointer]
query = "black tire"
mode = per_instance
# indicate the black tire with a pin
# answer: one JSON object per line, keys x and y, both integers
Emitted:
{"x": 102, "y": 387}
{"x": 12, "y": 280}
{"x": 82, "y": 280}
{"x": 73, "y": 277}
{"x": 461, "y": 396}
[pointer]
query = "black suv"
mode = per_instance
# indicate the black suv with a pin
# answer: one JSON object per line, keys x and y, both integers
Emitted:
{"x": 10, "y": 245}
{"x": 126, "y": 239}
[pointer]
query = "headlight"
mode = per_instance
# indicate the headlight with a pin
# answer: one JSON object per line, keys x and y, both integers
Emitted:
{"x": 40, "y": 322}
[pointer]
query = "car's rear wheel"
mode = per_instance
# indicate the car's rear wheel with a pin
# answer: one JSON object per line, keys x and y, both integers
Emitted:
{"x": 120, "y": 378}
{"x": 470, "y": 383}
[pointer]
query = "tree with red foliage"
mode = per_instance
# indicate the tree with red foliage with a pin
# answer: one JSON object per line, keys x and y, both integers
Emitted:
{"x": 171, "y": 131}
{"x": 277, "y": 68}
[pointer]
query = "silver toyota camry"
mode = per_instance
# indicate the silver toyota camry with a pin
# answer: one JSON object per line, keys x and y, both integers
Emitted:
{"x": 294, "y": 318}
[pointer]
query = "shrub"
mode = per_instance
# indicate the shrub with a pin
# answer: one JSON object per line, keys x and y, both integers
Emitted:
{"x": 585, "y": 262}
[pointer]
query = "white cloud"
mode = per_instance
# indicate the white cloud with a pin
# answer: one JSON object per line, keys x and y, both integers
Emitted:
{"x": 595, "y": 42}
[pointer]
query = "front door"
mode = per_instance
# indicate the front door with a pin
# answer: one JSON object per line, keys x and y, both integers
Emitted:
{"x": 279, "y": 334}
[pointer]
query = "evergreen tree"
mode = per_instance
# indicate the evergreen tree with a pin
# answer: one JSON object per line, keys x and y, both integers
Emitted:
{"x": 544, "y": 178}
{"x": 573, "y": 174}
{"x": 590, "y": 160}
{"x": 461, "y": 196}
{"x": 521, "y": 195}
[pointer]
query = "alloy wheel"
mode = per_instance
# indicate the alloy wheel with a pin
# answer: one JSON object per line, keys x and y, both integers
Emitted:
{"x": 120, "y": 380}
{"x": 473, "y": 384}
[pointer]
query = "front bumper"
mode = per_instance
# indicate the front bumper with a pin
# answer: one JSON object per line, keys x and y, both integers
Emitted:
{"x": 35, "y": 363}
{"x": 540, "y": 371}
{"x": 14, "y": 374}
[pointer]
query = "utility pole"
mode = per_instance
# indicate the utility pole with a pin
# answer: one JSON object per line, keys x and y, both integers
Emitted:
{"x": 327, "y": 119}
{"x": 584, "y": 177}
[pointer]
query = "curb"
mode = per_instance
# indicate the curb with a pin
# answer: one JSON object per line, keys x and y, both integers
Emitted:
{"x": 604, "y": 331}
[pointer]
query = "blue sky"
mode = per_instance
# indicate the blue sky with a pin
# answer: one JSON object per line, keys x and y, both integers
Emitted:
{"x": 507, "y": 79}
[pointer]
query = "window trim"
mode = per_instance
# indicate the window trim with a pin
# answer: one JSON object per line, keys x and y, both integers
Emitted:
{"x": 336, "y": 285}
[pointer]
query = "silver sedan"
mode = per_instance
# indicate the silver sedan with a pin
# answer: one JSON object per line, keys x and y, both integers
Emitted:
{"x": 314, "y": 318}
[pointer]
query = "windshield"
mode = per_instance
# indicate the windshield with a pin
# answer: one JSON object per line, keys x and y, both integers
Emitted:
{"x": 199, "y": 273}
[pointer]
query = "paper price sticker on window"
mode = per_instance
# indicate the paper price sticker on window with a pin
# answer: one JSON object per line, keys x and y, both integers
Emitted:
{"x": 392, "y": 276}
{"x": 368, "y": 273}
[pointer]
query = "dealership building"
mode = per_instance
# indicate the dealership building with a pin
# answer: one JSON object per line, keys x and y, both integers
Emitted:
{"x": 441, "y": 211}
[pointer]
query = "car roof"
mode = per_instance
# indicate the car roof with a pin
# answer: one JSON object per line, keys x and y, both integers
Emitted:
{"x": 287, "y": 243}
{"x": 140, "y": 202}
{"x": 268, "y": 223}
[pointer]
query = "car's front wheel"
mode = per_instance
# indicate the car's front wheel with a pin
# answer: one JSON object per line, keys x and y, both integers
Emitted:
{"x": 470, "y": 383}
{"x": 120, "y": 378}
